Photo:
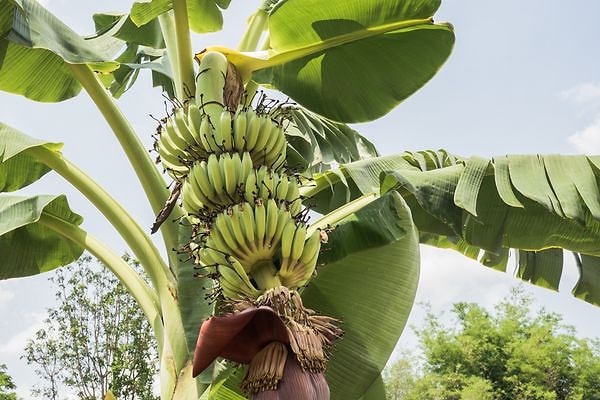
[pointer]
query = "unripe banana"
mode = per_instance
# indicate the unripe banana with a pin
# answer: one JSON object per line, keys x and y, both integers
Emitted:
{"x": 206, "y": 135}
{"x": 239, "y": 229}
{"x": 194, "y": 122}
{"x": 171, "y": 133}
{"x": 182, "y": 127}
{"x": 199, "y": 180}
{"x": 275, "y": 156}
{"x": 239, "y": 269}
{"x": 250, "y": 188}
{"x": 222, "y": 224}
{"x": 260, "y": 220}
{"x": 247, "y": 165}
{"x": 216, "y": 180}
{"x": 193, "y": 200}
{"x": 267, "y": 186}
{"x": 276, "y": 148}
{"x": 298, "y": 242}
{"x": 252, "y": 129}
{"x": 287, "y": 239}
{"x": 231, "y": 170}
{"x": 272, "y": 213}
{"x": 264, "y": 134}
{"x": 281, "y": 189}
{"x": 232, "y": 284}
{"x": 239, "y": 130}
{"x": 171, "y": 162}
{"x": 216, "y": 241}
{"x": 226, "y": 133}
{"x": 283, "y": 219}
{"x": 311, "y": 247}
{"x": 246, "y": 214}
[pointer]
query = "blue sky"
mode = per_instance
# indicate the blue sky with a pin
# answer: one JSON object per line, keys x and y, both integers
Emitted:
{"x": 524, "y": 78}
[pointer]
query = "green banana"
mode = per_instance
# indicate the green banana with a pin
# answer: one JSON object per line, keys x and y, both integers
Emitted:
{"x": 239, "y": 129}
{"x": 246, "y": 214}
{"x": 252, "y": 129}
{"x": 272, "y": 213}
{"x": 298, "y": 242}
{"x": 200, "y": 181}
{"x": 226, "y": 130}
{"x": 260, "y": 220}
{"x": 216, "y": 179}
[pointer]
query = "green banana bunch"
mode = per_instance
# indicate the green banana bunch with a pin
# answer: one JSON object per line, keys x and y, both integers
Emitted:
{"x": 248, "y": 232}
{"x": 236, "y": 190}
{"x": 228, "y": 179}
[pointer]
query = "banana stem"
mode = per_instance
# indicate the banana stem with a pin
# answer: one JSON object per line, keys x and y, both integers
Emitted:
{"x": 172, "y": 335}
{"x": 250, "y": 41}
{"x": 265, "y": 275}
{"x": 184, "y": 53}
{"x": 141, "y": 245}
{"x": 340, "y": 213}
{"x": 167, "y": 26}
{"x": 150, "y": 178}
{"x": 139, "y": 289}
{"x": 256, "y": 27}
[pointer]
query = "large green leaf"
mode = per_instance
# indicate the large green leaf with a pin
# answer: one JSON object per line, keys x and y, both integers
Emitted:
{"x": 27, "y": 247}
{"x": 35, "y": 48}
{"x": 146, "y": 35}
{"x": 315, "y": 143}
{"x": 529, "y": 203}
{"x": 192, "y": 293}
{"x": 376, "y": 391}
{"x": 145, "y": 49}
{"x": 349, "y": 60}
{"x": 17, "y": 168}
{"x": 588, "y": 285}
{"x": 204, "y": 15}
{"x": 368, "y": 278}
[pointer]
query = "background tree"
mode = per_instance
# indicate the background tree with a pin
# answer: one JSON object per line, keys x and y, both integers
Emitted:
{"x": 94, "y": 340}
{"x": 6, "y": 385}
{"x": 500, "y": 355}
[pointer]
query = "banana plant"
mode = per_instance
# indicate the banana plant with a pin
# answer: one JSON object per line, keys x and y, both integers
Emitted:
{"x": 276, "y": 209}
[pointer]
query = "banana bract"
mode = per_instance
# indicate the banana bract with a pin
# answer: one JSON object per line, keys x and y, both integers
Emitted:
{"x": 250, "y": 231}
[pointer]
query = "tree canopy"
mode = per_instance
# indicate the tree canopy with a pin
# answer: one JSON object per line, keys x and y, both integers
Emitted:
{"x": 7, "y": 386}
{"x": 505, "y": 354}
{"x": 95, "y": 340}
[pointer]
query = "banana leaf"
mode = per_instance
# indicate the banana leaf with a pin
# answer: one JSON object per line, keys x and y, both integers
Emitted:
{"x": 316, "y": 143}
{"x": 27, "y": 246}
{"x": 17, "y": 168}
{"x": 204, "y": 15}
{"x": 482, "y": 208}
{"x": 349, "y": 61}
{"x": 367, "y": 277}
{"x": 36, "y": 48}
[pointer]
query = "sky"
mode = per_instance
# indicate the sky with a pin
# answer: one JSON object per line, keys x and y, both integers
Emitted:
{"x": 524, "y": 77}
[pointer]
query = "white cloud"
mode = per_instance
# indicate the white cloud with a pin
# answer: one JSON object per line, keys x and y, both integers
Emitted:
{"x": 15, "y": 345}
{"x": 5, "y": 296}
{"x": 584, "y": 93}
{"x": 587, "y": 141}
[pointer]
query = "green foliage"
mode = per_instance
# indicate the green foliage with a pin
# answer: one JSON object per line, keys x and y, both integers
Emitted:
{"x": 95, "y": 340}
{"x": 6, "y": 385}
{"x": 502, "y": 355}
